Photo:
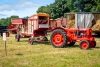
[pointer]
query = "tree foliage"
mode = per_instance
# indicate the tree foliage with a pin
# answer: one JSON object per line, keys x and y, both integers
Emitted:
{"x": 7, "y": 21}
{"x": 59, "y": 7}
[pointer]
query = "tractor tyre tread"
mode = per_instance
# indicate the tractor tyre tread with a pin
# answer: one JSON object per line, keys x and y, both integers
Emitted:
{"x": 64, "y": 36}
{"x": 94, "y": 44}
{"x": 18, "y": 37}
{"x": 88, "y": 43}
{"x": 30, "y": 40}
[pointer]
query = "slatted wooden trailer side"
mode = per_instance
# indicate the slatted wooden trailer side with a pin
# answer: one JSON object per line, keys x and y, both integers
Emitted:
{"x": 84, "y": 20}
{"x": 35, "y": 27}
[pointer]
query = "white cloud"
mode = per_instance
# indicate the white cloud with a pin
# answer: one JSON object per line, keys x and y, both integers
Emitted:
{"x": 21, "y": 8}
{"x": 21, "y": 4}
{"x": 20, "y": 13}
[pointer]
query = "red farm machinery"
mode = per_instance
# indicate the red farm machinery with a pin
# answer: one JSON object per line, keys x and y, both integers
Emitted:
{"x": 7, "y": 29}
{"x": 62, "y": 37}
{"x": 35, "y": 27}
{"x": 4, "y": 29}
{"x": 12, "y": 28}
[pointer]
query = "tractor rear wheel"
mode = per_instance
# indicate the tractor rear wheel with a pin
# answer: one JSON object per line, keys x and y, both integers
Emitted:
{"x": 58, "y": 38}
{"x": 17, "y": 37}
{"x": 30, "y": 40}
{"x": 84, "y": 44}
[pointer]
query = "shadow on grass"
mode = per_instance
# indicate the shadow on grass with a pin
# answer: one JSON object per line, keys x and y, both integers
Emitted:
{"x": 42, "y": 42}
{"x": 77, "y": 46}
{"x": 74, "y": 46}
{"x": 19, "y": 54}
{"x": 97, "y": 47}
{"x": 23, "y": 41}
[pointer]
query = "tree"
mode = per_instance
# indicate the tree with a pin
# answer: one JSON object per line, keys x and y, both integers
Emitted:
{"x": 59, "y": 7}
{"x": 82, "y": 5}
{"x": 7, "y": 21}
{"x": 41, "y": 9}
{"x": 98, "y": 5}
{"x": 2, "y": 21}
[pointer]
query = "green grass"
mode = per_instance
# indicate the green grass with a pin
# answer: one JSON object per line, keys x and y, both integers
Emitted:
{"x": 21, "y": 54}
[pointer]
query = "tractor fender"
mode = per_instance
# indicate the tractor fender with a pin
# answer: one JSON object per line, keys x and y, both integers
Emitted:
{"x": 64, "y": 29}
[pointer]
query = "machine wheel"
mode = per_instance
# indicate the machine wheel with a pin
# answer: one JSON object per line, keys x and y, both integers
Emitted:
{"x": 93, "y": 44}
{"x": 58, "y": 38}
{"x": 7, "y": 34}
{"x": 1, "y": 34}
{"x": 17, "y": 37}
{"x": 30, "y": 40}
{"x": 71, "y": 44}
{"x": 45, "y": 39}
{"x": 84, "y": 44}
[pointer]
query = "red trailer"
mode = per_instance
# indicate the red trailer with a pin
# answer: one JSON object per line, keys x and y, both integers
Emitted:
{"x": 12, "y": 28}
{"x": 59, "y": 22}
{"x": 35, "y": 27}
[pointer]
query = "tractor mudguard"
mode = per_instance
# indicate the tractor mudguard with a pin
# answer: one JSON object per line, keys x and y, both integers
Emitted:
{"x": 64, "y": 29}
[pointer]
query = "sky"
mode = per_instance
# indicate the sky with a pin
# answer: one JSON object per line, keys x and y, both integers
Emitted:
{"x": 21, "y": 8}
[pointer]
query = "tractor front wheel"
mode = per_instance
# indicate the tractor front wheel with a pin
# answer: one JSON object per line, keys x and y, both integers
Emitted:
{"x": 17, "y": 37}
{"x": 84, "y": 44}
{"x": 93, "y": 44}
{"x": 30, "y": 40}
{"x": 58, "y": 38}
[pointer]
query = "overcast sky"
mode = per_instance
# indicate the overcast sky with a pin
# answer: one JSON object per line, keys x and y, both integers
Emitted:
{"x": 21, "y": 8}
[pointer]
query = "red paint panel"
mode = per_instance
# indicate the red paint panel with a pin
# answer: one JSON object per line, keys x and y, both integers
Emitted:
{"x": 16, "y": 21}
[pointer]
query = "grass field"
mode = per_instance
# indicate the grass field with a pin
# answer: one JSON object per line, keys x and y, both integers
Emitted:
{"x": 21, "y": 54}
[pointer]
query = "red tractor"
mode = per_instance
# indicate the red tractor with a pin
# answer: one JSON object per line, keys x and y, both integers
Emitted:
{"x": 62, "y": 37}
